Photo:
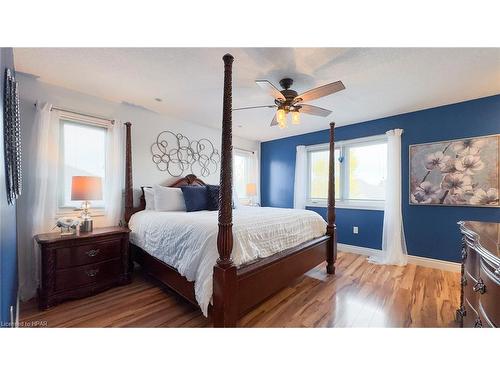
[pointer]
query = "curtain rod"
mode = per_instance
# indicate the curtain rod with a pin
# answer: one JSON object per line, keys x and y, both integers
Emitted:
{"x": 80, "y": 113}
{"x": 242, "y": 149}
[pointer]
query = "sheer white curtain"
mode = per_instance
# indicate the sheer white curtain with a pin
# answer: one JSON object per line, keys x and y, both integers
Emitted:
{"x": 393, "y": 237}
{"x": 300, "y": 184}
{"x": 253, "y": 174}
{"x": 38, "y": 203}
{"x": 115, "y": 169}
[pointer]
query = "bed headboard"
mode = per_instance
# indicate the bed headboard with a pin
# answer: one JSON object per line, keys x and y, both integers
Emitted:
{"x": 190, "y": 179}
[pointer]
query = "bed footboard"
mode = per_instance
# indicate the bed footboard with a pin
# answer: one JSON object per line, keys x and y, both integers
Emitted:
{"x": 260, "y": 280}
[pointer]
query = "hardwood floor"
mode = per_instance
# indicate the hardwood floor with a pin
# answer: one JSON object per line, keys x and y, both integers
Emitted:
{"x": 359, "y": 295}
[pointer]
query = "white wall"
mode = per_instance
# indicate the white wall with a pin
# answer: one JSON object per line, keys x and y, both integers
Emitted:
{"x": 145, "y": 127}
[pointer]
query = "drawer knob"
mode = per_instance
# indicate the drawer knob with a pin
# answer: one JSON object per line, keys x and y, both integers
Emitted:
{"x": 92, "y": 273}
{"x": 478, "y": 323}
{"x": 93, "y": 253}
{"x": 479, "y": 287}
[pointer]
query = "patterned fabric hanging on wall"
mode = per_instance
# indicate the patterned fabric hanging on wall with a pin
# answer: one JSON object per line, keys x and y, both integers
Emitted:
{"x": 12, "y": 137}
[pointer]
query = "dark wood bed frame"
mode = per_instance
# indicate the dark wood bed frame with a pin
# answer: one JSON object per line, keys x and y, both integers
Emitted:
{"x": 237, "y": 289}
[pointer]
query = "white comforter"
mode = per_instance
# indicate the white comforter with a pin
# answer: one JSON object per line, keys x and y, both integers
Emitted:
{"x": 188, "y": 240}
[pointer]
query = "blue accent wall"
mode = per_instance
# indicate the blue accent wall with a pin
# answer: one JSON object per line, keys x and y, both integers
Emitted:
{"x": 431, "y": 231}
{"x": 8, "y": 244}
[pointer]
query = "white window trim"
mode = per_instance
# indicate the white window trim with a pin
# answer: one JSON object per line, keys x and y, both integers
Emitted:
{"x": 347, "y": 203}
{"x": 86, "y": 120}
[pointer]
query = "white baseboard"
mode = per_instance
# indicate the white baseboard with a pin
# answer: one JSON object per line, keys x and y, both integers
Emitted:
{"x": 419, "y": 261}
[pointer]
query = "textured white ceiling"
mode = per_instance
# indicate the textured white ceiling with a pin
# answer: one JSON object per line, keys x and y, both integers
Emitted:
{"x": 379, "y": 81}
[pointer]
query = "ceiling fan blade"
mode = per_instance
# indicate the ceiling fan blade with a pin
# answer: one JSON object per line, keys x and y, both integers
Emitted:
{"x": 258, "y": 106}
{"x": 270, "y": 88}
{"x": 313, "y": 110}
{"x": 320, "y": 92}
{"x": 274, "y": 121}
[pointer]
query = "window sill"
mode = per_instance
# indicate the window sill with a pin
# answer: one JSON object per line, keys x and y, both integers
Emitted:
{"x": 351, "y": 206}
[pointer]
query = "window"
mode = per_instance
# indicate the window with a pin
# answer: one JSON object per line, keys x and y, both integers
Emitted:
{"x": 244, "y": 173}
{"x": 82, "y": 153}
{"x": 360, "y": 173}
{"x": 366, "y": 171}
{"x": 318, "y": 177}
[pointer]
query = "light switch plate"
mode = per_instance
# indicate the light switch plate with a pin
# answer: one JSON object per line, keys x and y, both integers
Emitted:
{"x": 355, "y": 230}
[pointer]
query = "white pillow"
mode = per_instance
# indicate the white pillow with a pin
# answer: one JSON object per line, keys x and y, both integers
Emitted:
{"x": 149, "y": 196}
{"x": 168, "y": 199}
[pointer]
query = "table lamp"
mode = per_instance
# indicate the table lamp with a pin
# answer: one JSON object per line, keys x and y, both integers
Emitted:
{"x": 86, "y": 188}
{"x": 251, "y": 192}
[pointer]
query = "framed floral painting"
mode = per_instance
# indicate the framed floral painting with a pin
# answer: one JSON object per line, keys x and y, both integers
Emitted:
{"x": 461, "y": 172}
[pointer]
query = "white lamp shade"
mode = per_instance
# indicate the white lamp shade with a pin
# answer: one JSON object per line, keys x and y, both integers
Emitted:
{"x": 86, "y": 188}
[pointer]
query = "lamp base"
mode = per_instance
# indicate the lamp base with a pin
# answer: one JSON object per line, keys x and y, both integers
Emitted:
{"x": 86, "y": 225}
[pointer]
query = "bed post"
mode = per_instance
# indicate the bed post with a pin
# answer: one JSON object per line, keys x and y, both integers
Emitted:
{"x": 331, "y": 229}
{"x": 225, "y": 308}
{"x": 129, "y": 193}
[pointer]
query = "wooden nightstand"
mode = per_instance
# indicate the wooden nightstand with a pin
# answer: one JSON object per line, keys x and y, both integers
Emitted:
{"x": 82, "y": 265}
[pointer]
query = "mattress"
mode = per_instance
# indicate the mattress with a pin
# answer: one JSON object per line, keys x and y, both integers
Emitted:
{"x": 187, "y": 241}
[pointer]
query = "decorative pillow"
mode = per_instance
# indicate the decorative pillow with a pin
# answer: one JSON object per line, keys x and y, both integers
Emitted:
{"x": 168, "y": 199}
{"x": 149, "y": 196}
{"x": 195, "y": 198}
{"x": 213, "y": 197}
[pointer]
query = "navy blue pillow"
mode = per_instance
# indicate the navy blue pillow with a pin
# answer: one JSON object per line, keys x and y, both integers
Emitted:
{"x": 195, "y": 197}
{"x": 213, "y": 197}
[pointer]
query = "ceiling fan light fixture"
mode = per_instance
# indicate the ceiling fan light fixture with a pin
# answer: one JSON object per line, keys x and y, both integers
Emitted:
{"x": 281, "y": 116}
{"x": 295, "y": 117}
{"x": 288, "y": 100}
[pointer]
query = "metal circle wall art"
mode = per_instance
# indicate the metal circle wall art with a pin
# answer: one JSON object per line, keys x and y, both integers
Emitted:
{"x": 178, "y": 155}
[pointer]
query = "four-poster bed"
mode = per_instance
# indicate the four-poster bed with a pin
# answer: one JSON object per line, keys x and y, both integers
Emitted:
{"x": 236, "y": 289}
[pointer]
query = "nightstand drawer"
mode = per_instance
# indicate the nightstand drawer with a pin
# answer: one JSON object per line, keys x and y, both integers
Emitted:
{"x": 91, "y": 273}
{"x": 87, "y": 254}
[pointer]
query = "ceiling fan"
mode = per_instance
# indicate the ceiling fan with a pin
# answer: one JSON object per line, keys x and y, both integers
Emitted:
{"x": 289, "y": 101}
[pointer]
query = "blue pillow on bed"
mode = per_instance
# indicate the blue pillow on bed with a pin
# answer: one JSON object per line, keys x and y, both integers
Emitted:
{"x": 195, "y": 197}
{"x": 213, "y": 197}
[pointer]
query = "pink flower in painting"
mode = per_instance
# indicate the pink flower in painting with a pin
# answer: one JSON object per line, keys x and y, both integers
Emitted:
{"x": 484, "y": 198}
{"x": 436, "y": 160}
{"x": 426, "y": 193}
{"x": 469, "y": 146}
{"x": 456, "y": 183}
{"x": 469, "y": 164}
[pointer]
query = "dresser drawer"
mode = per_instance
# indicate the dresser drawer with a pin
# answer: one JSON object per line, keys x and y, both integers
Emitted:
{"x": 92, "y": 273}
{"x": 485, "y": 321}
{"x": 87, "y": 254}
{"x": 472, "y": 262}
{"x": 471, "y": 316}
{"x": 469, "y": 294}
{"x": 490, "y": 299}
